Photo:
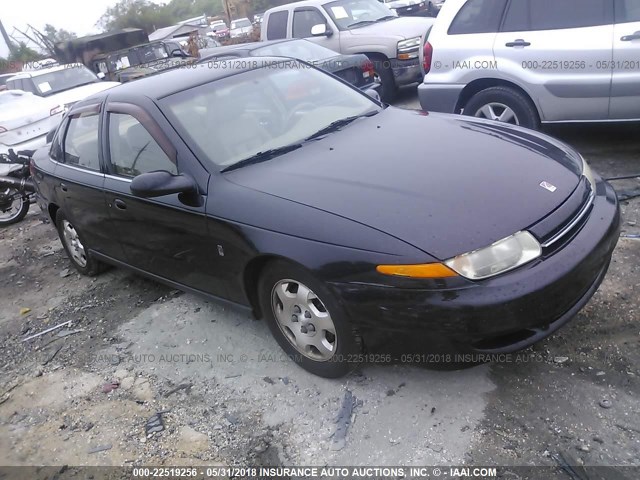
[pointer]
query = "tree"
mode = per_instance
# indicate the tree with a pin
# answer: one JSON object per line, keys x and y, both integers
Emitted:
{"x": 23, "y": 53}
{"x": 56, "y": 36}
{"x": 135, "y": 14}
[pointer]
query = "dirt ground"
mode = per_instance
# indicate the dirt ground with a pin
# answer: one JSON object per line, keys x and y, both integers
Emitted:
{"x": 228, "y": 396}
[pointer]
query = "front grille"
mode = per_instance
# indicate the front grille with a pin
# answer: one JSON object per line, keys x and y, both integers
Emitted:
{"x": 560, "y": 227}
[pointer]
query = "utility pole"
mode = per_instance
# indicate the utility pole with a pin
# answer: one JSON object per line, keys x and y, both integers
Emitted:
{"x": 6, "y": 38}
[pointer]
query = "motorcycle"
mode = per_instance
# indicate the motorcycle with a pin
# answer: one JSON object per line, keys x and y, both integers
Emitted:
{"x": 17, "y": 190}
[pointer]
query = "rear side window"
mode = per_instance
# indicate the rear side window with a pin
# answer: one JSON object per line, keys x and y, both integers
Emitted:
{"x": 478, "y": 16}
{"x": 531, "y": 15}
{"x": 81, "y": 143}
{"x": 277, "y": 25}
{"x": 304, "y": 20}
{"x": 627, "y": 11}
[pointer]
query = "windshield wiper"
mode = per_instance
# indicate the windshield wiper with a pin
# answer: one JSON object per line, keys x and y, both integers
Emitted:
{"x": 263, "y": 156}
{"x": 361, "y": 23}
{"x": 338, "y": 124}
{"x": 387, "y": 17}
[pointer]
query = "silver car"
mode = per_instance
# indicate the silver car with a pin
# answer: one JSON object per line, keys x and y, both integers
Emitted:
{"x": 528, "y": 62}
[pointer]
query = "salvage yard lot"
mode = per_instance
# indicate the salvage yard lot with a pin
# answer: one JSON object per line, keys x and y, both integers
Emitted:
{"x": 231, "y": 397}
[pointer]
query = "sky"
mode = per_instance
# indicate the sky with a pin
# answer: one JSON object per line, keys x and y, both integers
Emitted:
{"x": 79, "y": 16}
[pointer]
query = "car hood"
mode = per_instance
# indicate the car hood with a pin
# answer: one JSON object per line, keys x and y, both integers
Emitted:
{"x": 442, "y": 183}
{"x": 400, "y": 27}
{"x": 74, "y": 95}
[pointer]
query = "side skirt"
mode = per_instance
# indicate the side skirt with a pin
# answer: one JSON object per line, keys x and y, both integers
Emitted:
{"x": 178, "y": 286}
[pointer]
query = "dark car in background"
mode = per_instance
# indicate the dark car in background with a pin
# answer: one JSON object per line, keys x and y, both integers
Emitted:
{"x": 274, "y": 186}
{"x": 355, "y": 69}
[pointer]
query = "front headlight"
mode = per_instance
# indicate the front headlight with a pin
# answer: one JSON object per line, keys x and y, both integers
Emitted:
{"x": 500, "y": 257}
{"x": 409, "y": 48}
{"x": 586, "y": 171}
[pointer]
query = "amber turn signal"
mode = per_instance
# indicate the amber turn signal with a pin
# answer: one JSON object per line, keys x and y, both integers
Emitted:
{"x": 426, "y": 270}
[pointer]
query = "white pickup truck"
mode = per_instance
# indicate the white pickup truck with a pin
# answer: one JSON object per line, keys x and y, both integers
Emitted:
{"x": 394, "y": 44}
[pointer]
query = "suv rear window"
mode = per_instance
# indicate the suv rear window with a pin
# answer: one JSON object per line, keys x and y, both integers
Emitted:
{"x": 528, "y": 15}
{"x": 478, "y": 16}
{"x": 277, "y": 25}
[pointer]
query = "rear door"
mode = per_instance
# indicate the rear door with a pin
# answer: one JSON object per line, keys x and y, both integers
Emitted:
{"x": 79, "y": 180}
{"x": 559, "y": 50}
{"x": 625, "y": 91}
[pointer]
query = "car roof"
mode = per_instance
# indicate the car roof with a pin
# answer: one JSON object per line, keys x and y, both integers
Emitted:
{"x": 167, "y": 83}
{"x": 218, "y": 51}
{"x": 42, "y": 71}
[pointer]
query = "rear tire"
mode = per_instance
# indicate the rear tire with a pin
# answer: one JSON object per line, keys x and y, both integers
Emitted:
{"x": 503, "y": 102}
{"x": 319, "y": 338}
{"x": 21, "y": 212}
{"x": 76, "y": 248}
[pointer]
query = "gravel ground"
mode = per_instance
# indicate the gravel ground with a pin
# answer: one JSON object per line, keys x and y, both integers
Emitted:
{"x": 84, "y": 393}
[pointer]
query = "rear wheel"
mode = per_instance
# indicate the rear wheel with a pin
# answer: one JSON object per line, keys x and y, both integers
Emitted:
{"x": 76, "y": 248}
{"x": 306, "y": 321}
{"x": 13, "y": 206}
{"x": 503, "y": 104}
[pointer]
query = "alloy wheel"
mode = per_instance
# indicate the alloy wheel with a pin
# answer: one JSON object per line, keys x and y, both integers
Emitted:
{"x": 304, "y": 320}
{"x": 73, "y": 243}
{"x": 498, "y": 112}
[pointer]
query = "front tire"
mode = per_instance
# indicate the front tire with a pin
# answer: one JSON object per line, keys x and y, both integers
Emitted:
{"x": 306, "y": 320}
{"x": 383, "y": 74}
{"x": 76, "y": 248}
{"x": 503, "y": 104}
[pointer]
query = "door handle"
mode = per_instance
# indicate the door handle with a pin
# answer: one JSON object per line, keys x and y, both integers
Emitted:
{"x": 120, "y": 204}
{"x": 63, "y": 187}
{"x": 518, "y": 43}
{"x": 629, "y": 38}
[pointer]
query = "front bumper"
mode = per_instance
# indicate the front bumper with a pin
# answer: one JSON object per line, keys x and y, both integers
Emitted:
{"x": 503, "y": 314}
{"x": 406, "y": 72}
{"x": 439, "y": 97}
{"x": 31, "y": 144}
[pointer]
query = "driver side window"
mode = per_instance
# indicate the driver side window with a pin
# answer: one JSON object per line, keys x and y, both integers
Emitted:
{"x": 304, "y": 20}
{"x": 132, "y": 149}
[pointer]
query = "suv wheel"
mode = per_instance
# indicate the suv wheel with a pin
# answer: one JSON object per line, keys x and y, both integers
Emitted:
{"x": 306, "y": 321}
{"x": 503, "y": 104}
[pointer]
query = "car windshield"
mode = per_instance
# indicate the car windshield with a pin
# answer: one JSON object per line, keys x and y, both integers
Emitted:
{"x": 301, "y": 49}
{"x": 240, "y": 23}
{"x": 349, "y": 14}
{"x": 60, "y": 80}
{"x": 219, "y": 27}
{"x": 235, "y": 118}
{"x": 151, "y": 53}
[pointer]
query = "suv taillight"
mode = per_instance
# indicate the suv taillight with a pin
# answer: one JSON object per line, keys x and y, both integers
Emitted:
{"x": 367, "y": 69}
{"x": 427, "y": 57}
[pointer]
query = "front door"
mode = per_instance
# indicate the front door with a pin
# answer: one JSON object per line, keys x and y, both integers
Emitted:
{"x": 162, "y": 236}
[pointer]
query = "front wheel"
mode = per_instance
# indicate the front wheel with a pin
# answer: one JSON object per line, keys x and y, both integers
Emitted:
{"x": 503, "y": 104}
{"x": 13, "y": 206}
{"x": 383, "y": 74}
{"x": 306, "y": 321}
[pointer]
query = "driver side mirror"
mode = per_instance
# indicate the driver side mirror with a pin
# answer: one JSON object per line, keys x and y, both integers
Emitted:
{"x": 100, "y": 75}
{"x": 157, "y": 184}
{"x": 321, "y": 30}
{"x": 177, "y": 53}
{"x": 373, "y": 93}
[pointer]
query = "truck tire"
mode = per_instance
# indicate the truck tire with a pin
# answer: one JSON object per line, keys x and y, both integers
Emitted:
{"x": 383, "y": 74}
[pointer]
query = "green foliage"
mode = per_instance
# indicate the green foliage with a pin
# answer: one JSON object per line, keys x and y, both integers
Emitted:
{"x": 23, "y": 53}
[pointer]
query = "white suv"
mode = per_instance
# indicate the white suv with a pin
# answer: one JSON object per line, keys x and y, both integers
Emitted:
{"x": 532, "y": 61}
